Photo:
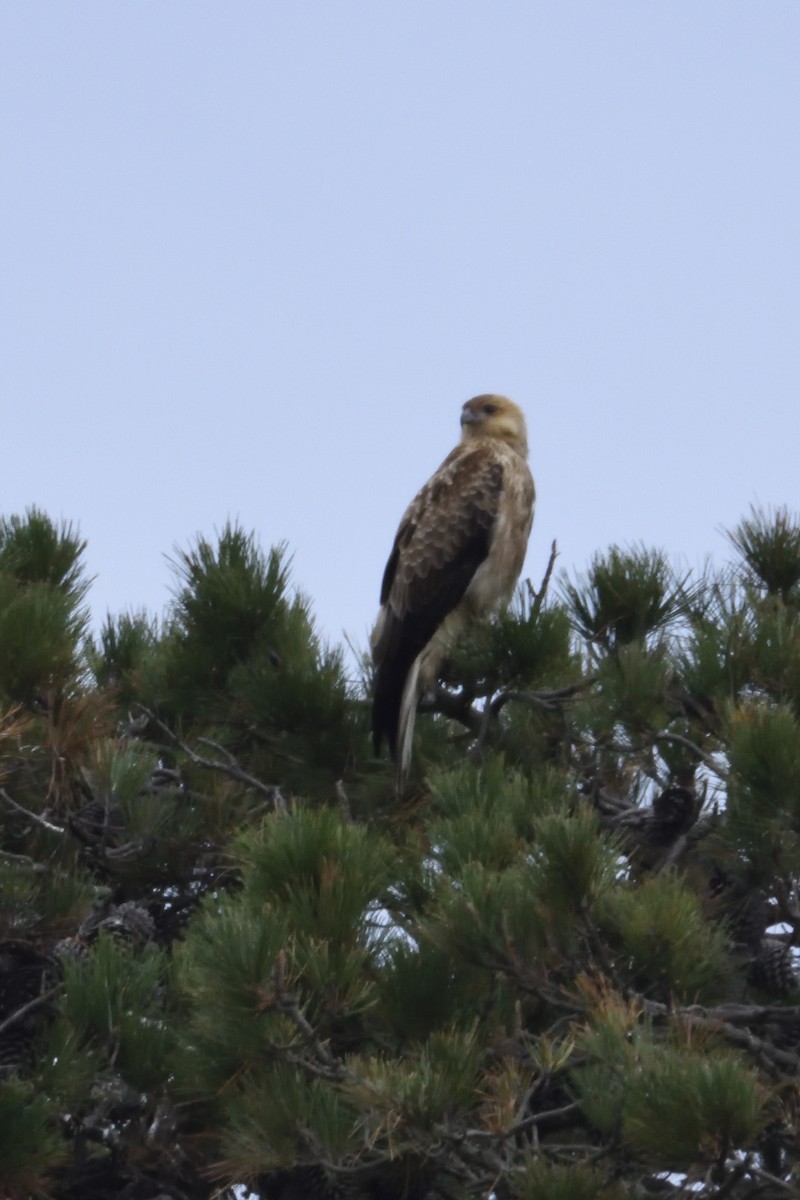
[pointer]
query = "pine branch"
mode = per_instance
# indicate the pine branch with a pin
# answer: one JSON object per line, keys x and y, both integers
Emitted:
{"x": 328, "y": 1066}
{"x": 721, "y": 1020}
{"x": 553, "y": 1115}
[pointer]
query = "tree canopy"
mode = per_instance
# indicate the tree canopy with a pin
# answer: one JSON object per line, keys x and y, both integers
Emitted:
{"x": 562, "y": 966}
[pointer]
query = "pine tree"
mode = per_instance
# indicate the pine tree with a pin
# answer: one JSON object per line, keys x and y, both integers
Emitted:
{"x": 564, "y": 966}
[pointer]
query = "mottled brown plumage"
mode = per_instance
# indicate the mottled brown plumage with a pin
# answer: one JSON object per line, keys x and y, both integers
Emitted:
{"x": 457, "y": 554}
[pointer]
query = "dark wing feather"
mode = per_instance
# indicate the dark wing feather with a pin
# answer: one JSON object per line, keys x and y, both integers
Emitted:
{"x": 443, "y": 538}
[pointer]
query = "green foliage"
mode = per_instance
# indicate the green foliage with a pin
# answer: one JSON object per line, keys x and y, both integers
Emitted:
{"x": 764, "y": 792}
{"x": 520, "y": 863}
{"x": 490, "y": 813}
{"x": 227, "y": 600}
{"x": 718, "y": 656}
{"x": 126, "y": 656}
{"x": 625, "y": 597}
{"x": 33, "y": 550}
{"x": 38, "y": 639}
{"x": 240, "y": 652}
{"x": 613, "y": 1045}
{"x": 769, "y": 543}
{"x": 423, "y": 989}
{"x": 677, "y": 1100}
{"x": 230, "y": 954}
{"x": 486, "y": 916}
{"x": 68, "y": 1066}
{"x": 425, "y": 1086}
{"x": 112, "y": 1000}
{"x": 530, "y": 642}
{"x": 527, "y": 645}
{"x": 574, "y": 863}
{"x": 543, "y": 1180}
{"x": 776, "y": 654}
{"x": 226, "y": 972}
{"x": 633, "y": 687}
{"x": 682, "y": 1107}
{"x": 303, "y": 931}
{"x": 31, "y": 900}
{"x": 42, "y": 618}
{"x": 30, "y": 1143}
{"x": 666, "y": 946}
{"x": 119, "y": 774}
{"x": 324, "y": 873}
{"x": 274, "y": 1113}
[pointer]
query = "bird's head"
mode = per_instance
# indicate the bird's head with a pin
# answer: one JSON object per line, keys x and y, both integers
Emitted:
{"x": 495, "y": 417}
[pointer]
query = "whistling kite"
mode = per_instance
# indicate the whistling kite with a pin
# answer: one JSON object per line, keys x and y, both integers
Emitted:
{"x": 457, "y": 556}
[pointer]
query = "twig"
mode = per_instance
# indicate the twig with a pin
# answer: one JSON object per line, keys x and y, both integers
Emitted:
{"x": 523, "y": 1123}
{"x": 287, "y": 1003}
{"x": 23, "y": 860}
{"x": 483, "y": 732}
{"x": 344, "y": 802}
{"x": 229, "y": 767}
{"x": 550, "y": 700}
{"x": 32, "y": 816}
{"x": 37, "y": 1002}
{"x": 537, "y": 598}
{"x": 772, "y": 1180}
{"x": 680, "y": 740}
{"x": 673, "y": 856}
{"x": 734, "y": 1176}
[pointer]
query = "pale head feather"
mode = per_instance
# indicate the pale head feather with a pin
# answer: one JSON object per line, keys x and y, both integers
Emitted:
{"x": 495, "y": 417}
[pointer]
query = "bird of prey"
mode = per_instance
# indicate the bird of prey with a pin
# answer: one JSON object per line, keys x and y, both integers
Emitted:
{"x": 457, "y": 555}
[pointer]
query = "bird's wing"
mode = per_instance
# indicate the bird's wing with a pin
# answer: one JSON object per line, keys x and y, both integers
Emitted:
{"x": 444, "y": 536}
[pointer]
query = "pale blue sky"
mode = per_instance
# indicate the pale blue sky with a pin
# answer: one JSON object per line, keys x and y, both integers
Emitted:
{"x": 255, "y": 256}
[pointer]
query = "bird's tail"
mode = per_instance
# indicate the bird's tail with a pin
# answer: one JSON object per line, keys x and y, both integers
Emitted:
{"x": 405, "y": 726}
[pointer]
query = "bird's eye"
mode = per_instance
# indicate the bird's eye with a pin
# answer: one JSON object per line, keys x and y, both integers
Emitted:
{"x": 489, "y": 409}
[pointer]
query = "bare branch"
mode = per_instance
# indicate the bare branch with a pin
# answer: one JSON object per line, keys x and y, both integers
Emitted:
{"x": 23, "y": 860}
{"x": 22, "y": 1012}
{"x": 344, "y": 802}
{"x": 719, "y": 1021}
{"x": 549, "y": 700}
{"x": 227, "y": 765}
{"x": 32, "y": 816}
{"x": 679, "y": 740}
{"x": 537, "y": 598}
{"x": 457, "y": 708}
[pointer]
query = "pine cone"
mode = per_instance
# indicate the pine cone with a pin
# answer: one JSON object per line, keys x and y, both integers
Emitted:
{"x": 774, "y": 968}
{"x": 673, "y": 813}
{"x": 748, "y": 914}
{"x": 130, "y": 921}
{"x": 73, "y": 948}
